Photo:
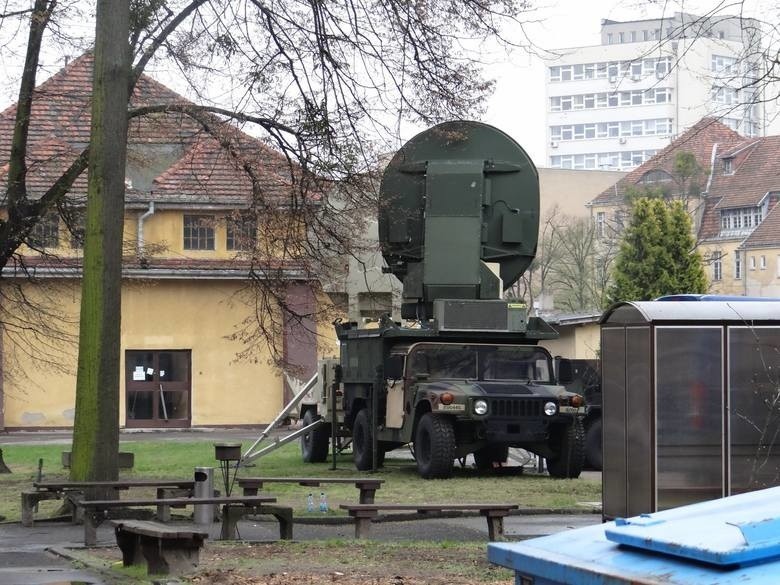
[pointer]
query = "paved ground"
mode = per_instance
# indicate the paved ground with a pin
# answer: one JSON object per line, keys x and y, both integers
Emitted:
{"x": 23, "y": 551}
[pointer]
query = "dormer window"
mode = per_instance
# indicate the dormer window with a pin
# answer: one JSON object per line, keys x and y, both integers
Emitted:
{"x": 740, "y": 220}
{"x": 728, "y": 166}
{"x": 655, "y": 176}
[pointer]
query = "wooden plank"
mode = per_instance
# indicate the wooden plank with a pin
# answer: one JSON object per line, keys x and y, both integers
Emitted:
{"x": 62, "y": 485}
{"x": 427, "y": 507}
{"x": 177, "y": 501}
{"x": 309, "y": 480}
{"x": 155, "y": 529}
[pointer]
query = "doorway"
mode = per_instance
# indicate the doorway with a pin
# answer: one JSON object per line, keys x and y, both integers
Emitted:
{"x": 158, "y": 387}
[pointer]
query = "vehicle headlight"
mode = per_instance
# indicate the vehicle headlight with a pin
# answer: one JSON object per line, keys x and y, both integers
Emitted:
{"x": 480, "y": 407}
{"x": 550, "y": 408}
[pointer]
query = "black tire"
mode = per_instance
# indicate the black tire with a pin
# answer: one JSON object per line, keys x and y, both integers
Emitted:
{"x": 568, "y": 444}
{"x": 361, "y": 440}
{"x": 485, "y": 457}
{"x": 315, "y": 443}
{"x": 434, "y": 446}
{"x": 593, "y": 446}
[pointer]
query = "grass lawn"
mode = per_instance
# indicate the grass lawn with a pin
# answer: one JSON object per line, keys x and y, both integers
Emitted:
{"x": 174, "y": 459}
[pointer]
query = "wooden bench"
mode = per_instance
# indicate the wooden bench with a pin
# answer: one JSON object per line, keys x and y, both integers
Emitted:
{"x": 164, "y": 549}
{"x": 494, "y": 514}
{"x": 73, "y": 491}
{"x": 367, "y": 487}
{"x": 95, "y": 511}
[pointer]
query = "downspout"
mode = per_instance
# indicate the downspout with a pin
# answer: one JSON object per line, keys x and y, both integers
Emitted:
{"x": 140, "y": 234}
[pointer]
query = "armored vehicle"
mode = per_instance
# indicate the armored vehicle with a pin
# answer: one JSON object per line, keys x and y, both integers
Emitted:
{"x": 458, "y": 224}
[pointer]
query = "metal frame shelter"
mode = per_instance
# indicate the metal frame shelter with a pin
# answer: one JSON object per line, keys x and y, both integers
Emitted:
{"x": 691, "y": 402}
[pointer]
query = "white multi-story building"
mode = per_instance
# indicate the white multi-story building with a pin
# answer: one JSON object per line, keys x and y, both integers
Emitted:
{"x": 614, "y": 105}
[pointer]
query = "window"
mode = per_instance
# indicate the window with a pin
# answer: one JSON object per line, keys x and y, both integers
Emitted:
{"x": 609, "y": 38}
{"x": 762, "y": 263}
{"x": 728, "y": 166}
{"x": 752, "y": 263}
{"x": 633, "y": 36}
{"x": 45, "y": 233}
{"x": 655, "y": 176}
{"x": 77, "y": 229}
{"x": 740, "y": 220}
{"x": 198, "y": 232}
{"x": 717, "y": 265}
{"x": 621, "y": 37}
{"x": 241, "y": 233}
{"x": 601, "y": 217}
{"x": 737, "y": 265}
{"x": 645, "y": 35}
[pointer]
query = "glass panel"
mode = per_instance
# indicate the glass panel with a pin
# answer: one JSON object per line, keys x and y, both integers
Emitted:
{"x": 140, "y": 366}
{"x": 175, "y": 404}
{"x": 140, "y": 405}
{"x": 613, "y": 387}
{"x": 689, "y": 415}
{"x": 639, "y": 434}
{"x": 754, "y": 380}
{"x": 174, "y": 366}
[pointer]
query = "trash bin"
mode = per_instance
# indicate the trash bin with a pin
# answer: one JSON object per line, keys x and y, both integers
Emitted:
{"x": 726, "y": 541}
{"x": 204, "y": 488}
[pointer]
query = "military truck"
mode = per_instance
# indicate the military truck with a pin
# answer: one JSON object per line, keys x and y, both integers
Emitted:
{"x": 458, "y": 224}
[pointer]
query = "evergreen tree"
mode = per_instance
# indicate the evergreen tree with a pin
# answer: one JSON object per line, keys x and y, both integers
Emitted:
{"x": 657, "y": 256}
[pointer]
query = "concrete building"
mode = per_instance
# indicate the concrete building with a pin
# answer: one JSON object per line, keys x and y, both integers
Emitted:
{"x": 616, "y": 104}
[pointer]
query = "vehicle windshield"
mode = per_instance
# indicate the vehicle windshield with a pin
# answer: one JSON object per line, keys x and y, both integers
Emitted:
{"x": 480, "y": 362}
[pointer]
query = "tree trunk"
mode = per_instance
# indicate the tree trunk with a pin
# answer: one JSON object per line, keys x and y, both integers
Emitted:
{"x": 96, "y": 429}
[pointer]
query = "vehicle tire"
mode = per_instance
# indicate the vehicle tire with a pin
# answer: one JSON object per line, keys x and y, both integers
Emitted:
{"x": 434, "y": 446}
{"x": 361, "y": 440}
{"x": 485, "y": 457}
{"x": 315, "y": 443}
{"x": 593, "y": 446}
{"x": 568, "y": 444}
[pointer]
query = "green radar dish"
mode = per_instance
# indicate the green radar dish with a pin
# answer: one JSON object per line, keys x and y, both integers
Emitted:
{"x": 458, "y": 203}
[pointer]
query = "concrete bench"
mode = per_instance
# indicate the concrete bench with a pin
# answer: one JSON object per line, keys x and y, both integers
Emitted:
{"x": 164, "y": 549}
{"x": 73, "y": 491}
{"x": 493, "y": 513}
{"x": 96, "y": 510}
{"x": 367, "y": 487}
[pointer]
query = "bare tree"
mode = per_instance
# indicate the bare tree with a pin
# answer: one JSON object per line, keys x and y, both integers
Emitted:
{"x": 324, "y": 87}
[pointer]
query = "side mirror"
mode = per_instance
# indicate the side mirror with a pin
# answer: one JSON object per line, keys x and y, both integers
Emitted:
{"x": 564, "y": 373}
{"x": 394, "y": 367}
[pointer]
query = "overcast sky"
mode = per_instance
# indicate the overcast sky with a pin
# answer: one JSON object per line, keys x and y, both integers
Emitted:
{"x": 517, "y": 106}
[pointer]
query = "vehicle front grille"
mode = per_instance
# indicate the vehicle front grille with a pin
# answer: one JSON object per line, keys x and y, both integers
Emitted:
{"x": 514, "y": 407}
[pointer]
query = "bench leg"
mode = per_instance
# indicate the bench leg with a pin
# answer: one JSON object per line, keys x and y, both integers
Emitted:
{"x": 283, "y": 515}
{"x": 130, "y": 545}
{"x": 362, "y": 527}
{"x": 29, "y": 500}
{"x": 495, "y": 527}
{"x": 367, "y": 495}
{"x": 163, "y": 510}
{"x": 166, "y": 556}
{"x": 230, "y": 516}
{"x": 92, "y": 519}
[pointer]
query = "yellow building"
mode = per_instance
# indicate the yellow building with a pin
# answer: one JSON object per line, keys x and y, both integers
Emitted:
{"x": 196, "y": 225}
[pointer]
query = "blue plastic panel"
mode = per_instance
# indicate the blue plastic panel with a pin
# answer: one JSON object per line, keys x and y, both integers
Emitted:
{"x": 731, "y": 531}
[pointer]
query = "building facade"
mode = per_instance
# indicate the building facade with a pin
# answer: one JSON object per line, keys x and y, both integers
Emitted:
{"x": 616, "y": 104}
{"x": 200, "y": 240}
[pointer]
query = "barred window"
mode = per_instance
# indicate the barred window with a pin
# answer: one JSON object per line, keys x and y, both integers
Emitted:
{"x": 46, "y": 232}
{"x": 198, "y": 232}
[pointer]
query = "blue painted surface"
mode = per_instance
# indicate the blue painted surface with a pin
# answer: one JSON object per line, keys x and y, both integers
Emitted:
{"x": 743, "y": 527}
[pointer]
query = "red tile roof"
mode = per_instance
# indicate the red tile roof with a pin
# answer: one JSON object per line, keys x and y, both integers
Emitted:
{"x": 698, "y": 140}
{"x": 767, "y": 234}
{"x": 205, "y": 173}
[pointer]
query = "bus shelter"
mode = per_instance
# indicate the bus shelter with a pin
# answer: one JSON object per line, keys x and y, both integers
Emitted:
{"x": 691, "y": 402}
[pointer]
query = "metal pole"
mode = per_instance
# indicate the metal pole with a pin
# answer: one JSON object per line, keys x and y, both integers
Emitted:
{"x": 378, "y": 381}
{"x": 295, "y": 400}
{"x": 334, "y": 418}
